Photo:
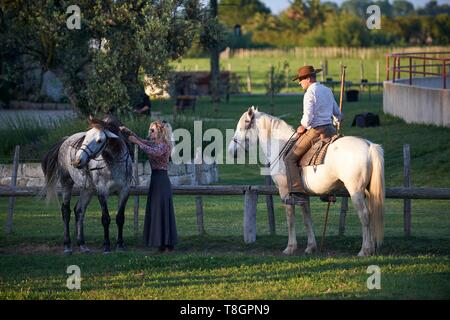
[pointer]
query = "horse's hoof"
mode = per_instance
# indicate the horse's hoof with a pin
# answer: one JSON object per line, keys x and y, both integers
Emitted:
{"x": 363, "y": 253}
{"x": 107, "y": 252}
{"x": 310, "y": 250}
{"x": 67, "y": 252}
{"x": 84, "y": 249}
{"x": 289, "y": 250}
{"x": 120, "y": 248}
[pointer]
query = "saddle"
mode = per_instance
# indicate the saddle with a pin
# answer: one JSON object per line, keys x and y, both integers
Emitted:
{"x": 316, "y": 154}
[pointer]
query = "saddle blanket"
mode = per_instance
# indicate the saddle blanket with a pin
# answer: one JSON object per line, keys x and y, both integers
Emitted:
{"x": 316, "y": 154}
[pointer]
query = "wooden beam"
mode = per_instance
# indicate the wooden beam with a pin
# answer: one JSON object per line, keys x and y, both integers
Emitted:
{"x": 218, "y": 190}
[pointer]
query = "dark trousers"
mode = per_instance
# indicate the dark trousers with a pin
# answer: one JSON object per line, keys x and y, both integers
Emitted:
{"x": 298, "y": 150}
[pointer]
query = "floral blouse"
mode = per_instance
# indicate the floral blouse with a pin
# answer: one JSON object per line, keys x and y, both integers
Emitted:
{"x": 158, "y": 153}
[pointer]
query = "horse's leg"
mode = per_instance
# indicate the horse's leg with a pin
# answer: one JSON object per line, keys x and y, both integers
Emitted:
{"x": 281, "y": 181}
{"x": 292, "y": 237}
{"x": 307, "y": 221}
{"x": 368, "y": 245}
{"x": 120, "y": 218}
{"x": 80, "y": 209}
{"x": 106, "y": 220}
{"x": 65, "y": 210}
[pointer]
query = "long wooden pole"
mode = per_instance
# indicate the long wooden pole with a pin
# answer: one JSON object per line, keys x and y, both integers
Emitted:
{"x": 407, "y": 184}
{"x": 12, "y": 199}
{"x": 344, "y": 205}
{"x": 342, "y": 93}
{"x": 136, "y": 198}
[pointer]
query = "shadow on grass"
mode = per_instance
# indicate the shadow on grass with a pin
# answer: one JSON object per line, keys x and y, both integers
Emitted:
{"x": 265, "y": 245}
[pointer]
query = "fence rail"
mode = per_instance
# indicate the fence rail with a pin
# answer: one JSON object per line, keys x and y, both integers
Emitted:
{"x": 250, "y": 193}
{"x": 425, "y": 193}
{"x": 411, "y": 66}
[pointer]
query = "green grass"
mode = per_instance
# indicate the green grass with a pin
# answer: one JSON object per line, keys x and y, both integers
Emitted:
{"x": 219, "y": 264}
{"x": 260, "y": 67}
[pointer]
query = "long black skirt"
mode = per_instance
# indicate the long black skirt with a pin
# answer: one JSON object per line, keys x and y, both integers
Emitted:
{"x": 159, "y": 224}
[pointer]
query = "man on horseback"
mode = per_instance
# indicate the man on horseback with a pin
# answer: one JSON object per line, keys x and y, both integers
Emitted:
{"x": 319, "y": 107}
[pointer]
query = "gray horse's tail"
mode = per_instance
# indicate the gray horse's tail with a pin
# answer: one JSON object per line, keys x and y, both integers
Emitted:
{"x": 51, "y": 171}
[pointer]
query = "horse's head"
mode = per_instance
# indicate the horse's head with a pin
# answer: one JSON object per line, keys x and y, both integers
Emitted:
{"x": 243, "y": 135}
{"x": 94, "y": 142}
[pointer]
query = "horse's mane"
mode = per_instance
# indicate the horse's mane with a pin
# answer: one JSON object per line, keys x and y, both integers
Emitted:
{"x": 270, "y": 122}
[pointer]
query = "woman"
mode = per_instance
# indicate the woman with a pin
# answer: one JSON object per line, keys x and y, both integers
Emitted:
{"x": 159, "y": 225}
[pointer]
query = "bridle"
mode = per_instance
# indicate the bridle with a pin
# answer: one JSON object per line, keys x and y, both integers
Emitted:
{"x": 287, "y": 146}
{"x": 91, "y": 154}
{"x": 248, "y": 125}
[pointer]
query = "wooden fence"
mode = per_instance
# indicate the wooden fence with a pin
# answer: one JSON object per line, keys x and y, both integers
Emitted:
{"x": 250, "y": 193}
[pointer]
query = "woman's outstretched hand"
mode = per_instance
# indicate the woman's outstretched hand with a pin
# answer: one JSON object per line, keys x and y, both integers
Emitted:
{"x": 128, "y": 133}
{"x": 125, "y": 130}
{"x": 132, "y": 139}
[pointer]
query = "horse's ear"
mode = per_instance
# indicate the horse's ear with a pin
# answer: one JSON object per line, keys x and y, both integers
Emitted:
{"x": 109, "y": 134}
{"x": 250, "y": 112}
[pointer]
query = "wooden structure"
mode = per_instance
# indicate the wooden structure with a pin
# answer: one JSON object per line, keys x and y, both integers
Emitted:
{"x": 250, "y": 194}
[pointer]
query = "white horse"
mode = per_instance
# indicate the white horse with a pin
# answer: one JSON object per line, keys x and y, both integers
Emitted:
{"x": 352, "y": 163}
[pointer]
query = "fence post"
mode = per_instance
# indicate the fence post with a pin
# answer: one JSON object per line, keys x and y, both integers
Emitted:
{"x": 378, "y": 74}
{"x": 387, "y": 67}
{"x": 286, "y": 73}
{"x": 249, "y": 79}
{"x": 407, "y": 184}
{"x": 270, "y": 210}
{"x": 361, "y": 70}
{"x": 198, "y": 199}
{"x": 12, "y": 200}
{"x": 250, "y": 202}
{"x": 272, "y": 70}
{"x": 136, "y": 198}
{"x": 342, "y": 215}
{"x": 444, "y": 75}
{"x": 323, "y": 72}
{"x": 410, "y": 71}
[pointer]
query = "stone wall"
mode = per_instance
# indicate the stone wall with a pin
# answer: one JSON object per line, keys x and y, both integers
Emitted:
{"x": 31, "y": 175}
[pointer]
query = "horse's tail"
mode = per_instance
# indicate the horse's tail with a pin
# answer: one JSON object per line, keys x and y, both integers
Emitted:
{"x": 51, "y": 171}
{"x": 377, "y": 193}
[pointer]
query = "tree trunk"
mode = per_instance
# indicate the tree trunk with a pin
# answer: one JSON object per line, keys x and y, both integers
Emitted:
{"x": 215, "y": 67}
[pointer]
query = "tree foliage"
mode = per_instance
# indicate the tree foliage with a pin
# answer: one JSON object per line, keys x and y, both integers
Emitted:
{"x": 101, "y": 63}
{"x": 317, "y": 23}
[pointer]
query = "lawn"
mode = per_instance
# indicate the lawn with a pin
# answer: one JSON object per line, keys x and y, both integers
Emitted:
{"x": 219, "y": 264}
{"x": 260, "y": 66}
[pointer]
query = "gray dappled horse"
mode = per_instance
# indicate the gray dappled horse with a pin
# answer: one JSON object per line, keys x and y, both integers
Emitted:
{"x": 96, "y": 160}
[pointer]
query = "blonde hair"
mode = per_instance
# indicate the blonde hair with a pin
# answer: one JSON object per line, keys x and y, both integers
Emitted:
{"x": 164, "y": 131}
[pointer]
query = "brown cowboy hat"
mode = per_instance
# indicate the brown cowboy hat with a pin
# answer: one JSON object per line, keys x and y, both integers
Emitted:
{"x": 305, "y": 72}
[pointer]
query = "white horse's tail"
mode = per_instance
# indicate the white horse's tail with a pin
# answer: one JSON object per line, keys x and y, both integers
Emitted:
{"x": 377, "y": 193}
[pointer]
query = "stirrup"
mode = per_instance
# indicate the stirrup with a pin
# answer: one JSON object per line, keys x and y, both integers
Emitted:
{"x": 293, "y": 200}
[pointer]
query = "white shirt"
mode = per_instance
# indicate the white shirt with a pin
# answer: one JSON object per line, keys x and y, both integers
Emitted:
{"x": 319, "y": 106}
